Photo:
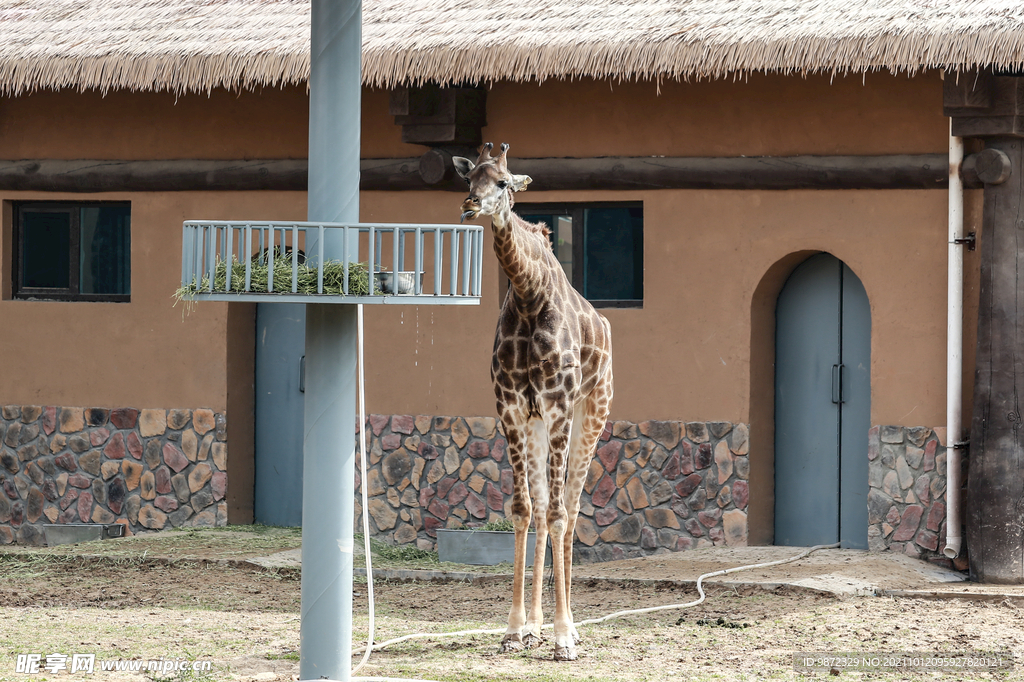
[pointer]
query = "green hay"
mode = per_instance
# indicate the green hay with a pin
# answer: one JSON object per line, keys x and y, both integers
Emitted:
{"x": 498, "y": 525}
{"x": 334, "y": 278}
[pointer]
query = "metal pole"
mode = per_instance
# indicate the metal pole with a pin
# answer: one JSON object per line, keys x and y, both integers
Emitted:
{"x": 330, "y": 414}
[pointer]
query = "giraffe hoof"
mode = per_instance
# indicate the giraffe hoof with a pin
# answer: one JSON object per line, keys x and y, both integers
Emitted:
{"x": 510, "y": 644}
{"x": 565, "y": 653}
{"x": 532, "y": 641}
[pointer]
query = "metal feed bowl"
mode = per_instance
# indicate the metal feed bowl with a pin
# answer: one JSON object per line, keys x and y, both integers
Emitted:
{"x": 406, "y": 282}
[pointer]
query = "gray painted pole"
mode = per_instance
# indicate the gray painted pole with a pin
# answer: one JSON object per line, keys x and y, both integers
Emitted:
{"x": 329, "y": 436}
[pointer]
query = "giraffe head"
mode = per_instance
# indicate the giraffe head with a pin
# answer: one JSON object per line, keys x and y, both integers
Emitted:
{"x": 490, "y": 184}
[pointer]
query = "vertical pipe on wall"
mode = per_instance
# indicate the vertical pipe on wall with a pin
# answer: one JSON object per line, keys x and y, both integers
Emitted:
{"x": 954, "y": 347}
{"x": 330, "y": 414}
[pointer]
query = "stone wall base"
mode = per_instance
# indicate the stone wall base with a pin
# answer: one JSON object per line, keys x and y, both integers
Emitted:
{"x": 655, "y": 486}
{"x": 906, "y": 491}
{"x": 148, "y": 469}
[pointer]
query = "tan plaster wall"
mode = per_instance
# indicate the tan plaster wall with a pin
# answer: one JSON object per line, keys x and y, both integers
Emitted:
{"x": 145, "y": 353}
{"x": 764, "y": 115}
{"x": 270, "y": 124}
{"x": 686, "y": 354}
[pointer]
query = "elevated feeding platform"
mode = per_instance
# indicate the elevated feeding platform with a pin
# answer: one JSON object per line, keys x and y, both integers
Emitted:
{"x": 283, "y": 262}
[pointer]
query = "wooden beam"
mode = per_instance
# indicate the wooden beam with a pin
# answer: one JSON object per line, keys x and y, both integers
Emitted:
{"x": 176, "y": 175}
{"x": 925, "y": 171}
{"x": 921, "y": 171}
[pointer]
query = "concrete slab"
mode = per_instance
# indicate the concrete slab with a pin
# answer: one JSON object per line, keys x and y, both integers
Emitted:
{"x": 291, "y": 558}
{"x": 840, "y": 572}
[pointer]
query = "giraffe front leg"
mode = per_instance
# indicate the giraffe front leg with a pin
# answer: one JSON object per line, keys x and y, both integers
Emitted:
{"x": 537, "y": 468}
{"x": 565, "y": 644}
{"x": 532, "y": 637}
{"x": 521, "y": 512}
{"x": 513, "y": 639}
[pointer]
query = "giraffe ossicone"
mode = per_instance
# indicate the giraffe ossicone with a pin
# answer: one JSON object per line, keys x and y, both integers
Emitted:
{"x": 552, "y": 375}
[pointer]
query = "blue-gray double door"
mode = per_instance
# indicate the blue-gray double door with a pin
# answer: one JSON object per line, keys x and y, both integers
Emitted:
{"x": 822, "y": 406}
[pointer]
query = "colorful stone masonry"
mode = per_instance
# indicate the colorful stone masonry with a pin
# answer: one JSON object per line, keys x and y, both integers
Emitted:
{"x": 653, "y": 487}
{"x": 657, "y": 486}
{"x": 147, "y": 469}
{"x": 906, "y": 491}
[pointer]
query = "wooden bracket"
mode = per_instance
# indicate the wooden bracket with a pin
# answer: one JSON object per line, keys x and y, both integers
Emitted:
{"x": 984, "y": 104}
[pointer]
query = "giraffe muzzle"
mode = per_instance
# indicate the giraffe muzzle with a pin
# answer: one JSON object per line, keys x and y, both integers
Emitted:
{"x": 470, "y": 208}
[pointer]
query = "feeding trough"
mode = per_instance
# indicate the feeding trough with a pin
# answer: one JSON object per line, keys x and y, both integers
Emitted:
{"x": 71, "y": 533}
{"x": 484, "y": 547}
{"x": 285, "y": 262}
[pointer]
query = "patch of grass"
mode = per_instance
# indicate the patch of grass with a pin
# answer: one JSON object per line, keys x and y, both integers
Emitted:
{"x": 231, "y": 542}
{"x": 256, "y": 528}
{"x": 413, "y": 558}
{"x": 286, "y": 656}
{"x": 400, "y": 553}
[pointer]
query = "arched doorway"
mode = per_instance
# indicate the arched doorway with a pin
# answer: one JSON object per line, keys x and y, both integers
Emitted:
{"x": 822, "y": 406}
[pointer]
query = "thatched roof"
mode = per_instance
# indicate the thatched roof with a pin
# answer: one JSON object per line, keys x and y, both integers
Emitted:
{"x": 197, "y": 45}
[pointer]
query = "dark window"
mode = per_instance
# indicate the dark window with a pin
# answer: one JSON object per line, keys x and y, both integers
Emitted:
{"x": 72, "y": 251}
{"x": 600, "y": 247}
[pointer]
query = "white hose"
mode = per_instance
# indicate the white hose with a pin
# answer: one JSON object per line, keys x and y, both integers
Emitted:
{"x": 617, "y": 614}
{"x": 370, "y": 646}
{"x": 362, "y": 478}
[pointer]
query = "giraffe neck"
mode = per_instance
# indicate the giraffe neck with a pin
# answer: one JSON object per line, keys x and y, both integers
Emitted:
{"x": 521, "y": 254}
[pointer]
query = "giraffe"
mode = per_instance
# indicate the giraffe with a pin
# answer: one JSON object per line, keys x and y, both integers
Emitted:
{"x": 552, "y": 376}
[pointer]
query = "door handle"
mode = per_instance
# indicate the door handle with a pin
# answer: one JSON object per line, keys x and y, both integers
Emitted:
{"x": 837, "y": 383}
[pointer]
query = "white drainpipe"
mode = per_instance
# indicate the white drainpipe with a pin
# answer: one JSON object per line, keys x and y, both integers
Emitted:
{"x": 954, "y": 346}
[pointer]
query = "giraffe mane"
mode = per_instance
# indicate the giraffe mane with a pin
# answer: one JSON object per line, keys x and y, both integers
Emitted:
{"x": 540, "y": 228}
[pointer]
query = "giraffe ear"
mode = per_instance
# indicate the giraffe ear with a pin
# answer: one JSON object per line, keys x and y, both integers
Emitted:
{"x": 463, "y": 166}
{"x": 519, "y": 182}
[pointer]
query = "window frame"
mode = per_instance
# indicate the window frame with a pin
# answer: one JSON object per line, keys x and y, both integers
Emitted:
{"x": 72, "y": 293}
{"x": 576, "y": 209}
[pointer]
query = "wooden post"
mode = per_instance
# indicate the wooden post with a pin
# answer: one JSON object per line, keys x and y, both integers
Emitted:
{"x": 992, "y": 108}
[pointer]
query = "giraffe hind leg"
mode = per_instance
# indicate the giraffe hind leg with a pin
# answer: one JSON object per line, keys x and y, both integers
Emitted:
{"x": 558, "y": 420}
{"x": 588, "y": 423}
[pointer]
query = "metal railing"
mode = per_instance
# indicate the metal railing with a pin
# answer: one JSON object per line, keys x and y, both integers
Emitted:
{"x": 284, "y": 261}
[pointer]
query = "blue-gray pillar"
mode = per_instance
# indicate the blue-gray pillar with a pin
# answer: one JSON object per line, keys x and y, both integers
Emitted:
{"x": 330, "y": 414}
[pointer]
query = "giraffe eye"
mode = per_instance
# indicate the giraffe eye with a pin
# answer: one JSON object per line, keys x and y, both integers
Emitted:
{"x": 502, "y": 184}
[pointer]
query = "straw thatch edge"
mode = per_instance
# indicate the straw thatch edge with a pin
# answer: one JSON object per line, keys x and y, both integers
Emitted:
{"x": 671, "y": 57}
{"x": 197, "y": 73}
{"x": 672, "y": 60}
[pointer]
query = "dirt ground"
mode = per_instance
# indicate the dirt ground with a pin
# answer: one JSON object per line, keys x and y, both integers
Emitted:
{"x": 247, "y": 623}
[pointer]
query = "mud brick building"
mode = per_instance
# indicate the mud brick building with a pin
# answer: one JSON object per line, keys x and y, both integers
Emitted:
{"x": 758, "y": 202}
